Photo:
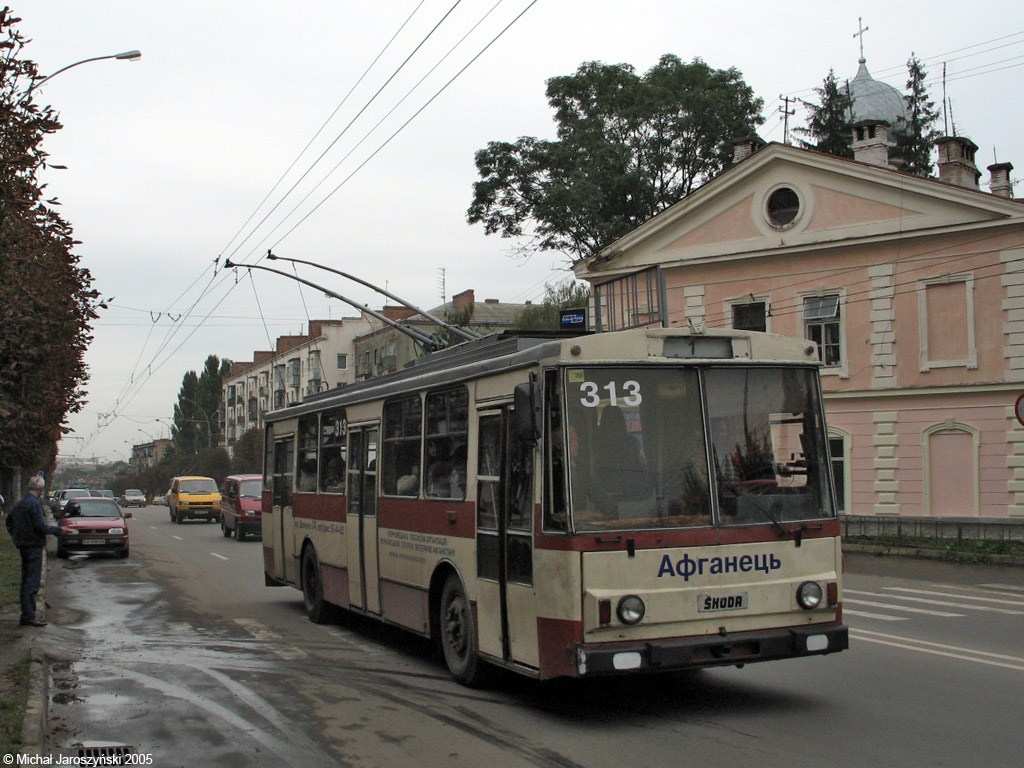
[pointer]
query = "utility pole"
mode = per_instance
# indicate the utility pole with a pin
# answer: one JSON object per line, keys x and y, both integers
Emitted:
{"x": 786, "y": 112}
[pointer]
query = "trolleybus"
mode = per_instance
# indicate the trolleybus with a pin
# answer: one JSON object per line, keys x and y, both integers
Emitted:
{"x": 613, "y": 503}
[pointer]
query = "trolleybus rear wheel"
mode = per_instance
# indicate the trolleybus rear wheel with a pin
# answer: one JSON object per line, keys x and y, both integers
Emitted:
{"x": 313, "y": 588}
{"x": 458, "y": 636}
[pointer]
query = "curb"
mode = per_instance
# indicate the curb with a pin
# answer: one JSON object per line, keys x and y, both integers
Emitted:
{"x": 33, "y": 729}
{"x": 947, "y": 556}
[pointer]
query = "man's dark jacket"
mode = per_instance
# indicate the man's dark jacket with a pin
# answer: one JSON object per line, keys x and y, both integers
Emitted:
{"x": 30, "y": 526}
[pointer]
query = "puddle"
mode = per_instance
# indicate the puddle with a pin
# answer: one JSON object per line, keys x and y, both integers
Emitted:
{"x": 66, "y": 698}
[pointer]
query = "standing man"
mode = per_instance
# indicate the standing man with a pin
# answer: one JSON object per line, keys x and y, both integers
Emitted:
{"x": 29, "y": 533}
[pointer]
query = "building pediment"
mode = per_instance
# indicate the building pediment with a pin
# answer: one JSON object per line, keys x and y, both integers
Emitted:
{"x": 784, "y": 199}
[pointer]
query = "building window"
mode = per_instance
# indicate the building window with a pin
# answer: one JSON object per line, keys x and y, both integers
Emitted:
{"x": 946, "y": 322}
{"x": 294, "y": 372}
{"x": 752, "y": 316}
{"x": 342, "y": 362}
{"x": 783, "y": 207}
{"x": 631, "y": 301}
{"x": 821, "y": 325}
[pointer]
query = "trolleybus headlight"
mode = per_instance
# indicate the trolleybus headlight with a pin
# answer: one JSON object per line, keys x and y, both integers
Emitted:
{"x": 809, "y": 595}
{"x": 631, "y": 609}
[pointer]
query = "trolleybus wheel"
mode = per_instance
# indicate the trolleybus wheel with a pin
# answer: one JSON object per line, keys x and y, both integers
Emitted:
{"x": 313, "y": 588}
{"x": 458, "y": 637}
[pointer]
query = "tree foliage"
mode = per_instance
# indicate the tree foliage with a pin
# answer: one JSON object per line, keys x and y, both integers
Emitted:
{"x": 46, "y": 298}
{"x": 196, "y": 423}
{"x": 247, "y": 455}
{"x": 916, "y": 136}
{"x": 829, "y": 123}
{"x": 545, "y": 316}
{"x": 628, "y": 147}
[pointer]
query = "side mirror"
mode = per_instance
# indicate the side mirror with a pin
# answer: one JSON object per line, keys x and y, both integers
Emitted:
{"x": 126, "y": 515}
{"x": 527, "y": 416}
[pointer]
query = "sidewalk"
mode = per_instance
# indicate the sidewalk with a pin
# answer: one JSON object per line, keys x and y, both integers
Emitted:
{"x": 17, "y": 642}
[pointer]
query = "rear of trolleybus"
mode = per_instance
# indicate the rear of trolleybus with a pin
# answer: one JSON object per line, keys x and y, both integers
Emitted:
{"x": 691, "y": 492}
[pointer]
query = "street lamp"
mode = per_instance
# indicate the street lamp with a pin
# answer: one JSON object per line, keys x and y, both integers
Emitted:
{"x": 125, "y": 55}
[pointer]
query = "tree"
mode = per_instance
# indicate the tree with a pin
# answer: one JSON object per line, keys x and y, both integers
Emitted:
{"x": 829, "y": 122}
{"x": 628, "y": 147}
{"x": 195, "y": 415}
{"x": 46, "y": 298}
{"x": 247, "y": 455}
{"x": 545, "y": 316}
{"x": 916, "y": 136}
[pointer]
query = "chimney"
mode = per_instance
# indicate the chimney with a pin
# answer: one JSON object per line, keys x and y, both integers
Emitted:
{"x": 745, "y": 147}
{"x": 1001, "y": 186}
{"x": 956, "y": 161}
{"x": 464, "y": 300}
{"x": 871, "y": 142}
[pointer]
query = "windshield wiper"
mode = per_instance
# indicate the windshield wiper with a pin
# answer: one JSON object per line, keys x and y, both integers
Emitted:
{"x": 770, "y": 515}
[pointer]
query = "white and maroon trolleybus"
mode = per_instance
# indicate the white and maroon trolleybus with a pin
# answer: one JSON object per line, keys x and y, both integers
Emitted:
{"x": 620, "y": 502}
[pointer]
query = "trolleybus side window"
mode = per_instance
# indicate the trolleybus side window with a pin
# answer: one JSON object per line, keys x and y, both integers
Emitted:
{"x": 284, "y": 458}
{"x": 333, "y": 429}
{"x": 556, "y": 508}
{"x": 445, "y": 444}
{"x": 489, "y": 459}
{"x": 401, "y": 470}
{"x": 768, "y": 445}
{"x": 309, "y": 439}
{"x": 268, "y": 458}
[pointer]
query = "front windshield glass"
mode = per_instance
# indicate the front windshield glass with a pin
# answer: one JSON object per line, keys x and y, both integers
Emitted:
{"x": 198, "y": 486}
{"x": 97, "y": 508}
{"x": 251, "y": 489}
{"x": 637, "y": 456}
{"x": 768, "y": 445}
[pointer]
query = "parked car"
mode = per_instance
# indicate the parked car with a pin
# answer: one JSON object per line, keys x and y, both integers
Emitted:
{"x": 133, "y": 497}
{"x": 160, "y": 501}
{"x": 93, "y": 524}
{"x": 100, "y": 493}
{"x": 241, "y": 503}
{"x": 196, "y": 497}
{"x": 63, "y": 497}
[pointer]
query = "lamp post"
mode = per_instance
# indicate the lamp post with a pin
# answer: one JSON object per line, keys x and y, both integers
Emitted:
{"x": 124, "y": 55}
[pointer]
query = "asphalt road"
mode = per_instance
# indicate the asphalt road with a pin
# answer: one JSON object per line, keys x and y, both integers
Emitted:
{"x": 182, "y": 652}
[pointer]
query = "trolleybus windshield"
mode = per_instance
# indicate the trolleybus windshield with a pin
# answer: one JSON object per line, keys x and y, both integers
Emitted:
{"x": 647, "y": 451}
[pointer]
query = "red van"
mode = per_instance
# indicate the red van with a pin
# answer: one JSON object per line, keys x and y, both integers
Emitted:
{"x": 240, "y": 505}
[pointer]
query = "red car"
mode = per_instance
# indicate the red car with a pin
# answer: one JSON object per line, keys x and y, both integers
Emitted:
{"x": 93, "y": 524}
{"x": 241, "y": 503}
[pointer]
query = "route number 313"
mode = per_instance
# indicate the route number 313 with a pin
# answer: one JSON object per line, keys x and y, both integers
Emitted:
{"x": 625, "y": 393}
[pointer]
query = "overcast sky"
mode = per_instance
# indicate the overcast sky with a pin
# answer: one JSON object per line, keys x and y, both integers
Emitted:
{"x": 169, "y": 159}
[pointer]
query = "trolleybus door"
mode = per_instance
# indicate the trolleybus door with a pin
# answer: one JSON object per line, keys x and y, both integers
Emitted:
{"x": 506, "y": 608}
{"x": 364, "y": 580}
{"x": 285, "y": 565}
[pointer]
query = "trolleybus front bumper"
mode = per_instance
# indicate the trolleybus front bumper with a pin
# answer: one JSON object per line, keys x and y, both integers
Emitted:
{"x": 712, "y": 650}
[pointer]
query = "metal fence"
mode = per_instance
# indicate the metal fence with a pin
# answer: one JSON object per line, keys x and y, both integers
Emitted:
{"x": 900, "y": 531}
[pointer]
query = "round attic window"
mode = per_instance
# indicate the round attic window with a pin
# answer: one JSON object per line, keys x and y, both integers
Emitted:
{"x": 783, "y": 206}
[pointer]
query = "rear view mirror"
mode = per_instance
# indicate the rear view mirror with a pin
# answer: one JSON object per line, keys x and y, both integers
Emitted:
{"x": 527, "y": 413}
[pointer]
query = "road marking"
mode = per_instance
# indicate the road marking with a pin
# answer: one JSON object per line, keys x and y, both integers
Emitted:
{"x": 218, "y": 556}
{"x": 946, "y": 603}
{"x": 261, "y": 632}
{"x": 959, "y": 597}
{"x": 940, "y": 649}
{"x": 866, "y": 615}
{"x": 1012, "y": 587}
{"x": 906, "y": 608}
{"x": 177, "y": 537}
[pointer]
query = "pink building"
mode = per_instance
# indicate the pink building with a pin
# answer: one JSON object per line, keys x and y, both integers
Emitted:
{"x": 911, "y": 288}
